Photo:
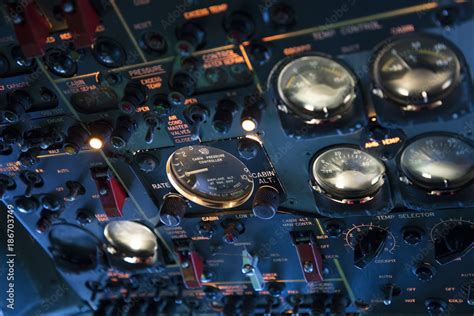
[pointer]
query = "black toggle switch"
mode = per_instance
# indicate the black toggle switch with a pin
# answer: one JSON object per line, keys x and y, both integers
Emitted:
{"x": 389, "y": 292}
{"x": 469, "y": 290}
{"x": 134, "y": 95}
{"x": 52, "y": 208}
{"x": 196, "y": 114}
{"x": 239, "y": 26}
{"x": 225, "y": 110}
{"x": 75, "y": 190}
{"x": 124, "y": 127}
{"x": 31, "y": 180}
{"x": 266, "y": 202}
{"x": 29, "y": 158}
{"x": 41, "y": 138}
{"x": 152, "y": 121}
{"x": 75, "y": 139}
{"x": 6, "y": 184}
{"x": 18, "y": 103}
{"x": 172, "y": 210}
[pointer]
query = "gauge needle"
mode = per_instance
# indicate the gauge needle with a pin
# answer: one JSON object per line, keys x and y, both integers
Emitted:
{"x": 336, "y": 165}
{"x": 188, "y": 173}
{"x": 402, "y": 60}
{"x": 305, "y": 79}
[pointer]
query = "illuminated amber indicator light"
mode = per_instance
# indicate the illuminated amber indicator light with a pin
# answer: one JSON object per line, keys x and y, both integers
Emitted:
{"x": 249, "y": 125}
{"x": 250, "y": 118}
{"x": 96, "y": 143}
{"x": 100, "y": 132}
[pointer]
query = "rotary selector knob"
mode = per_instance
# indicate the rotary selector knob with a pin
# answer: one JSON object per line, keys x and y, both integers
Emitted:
{"x": 368, "y": 246}
{"x": 173, "y": 210}
{"x": 266, "y": 202}
{"x": 452, "y": 239}
{"x": 124, "y": 128}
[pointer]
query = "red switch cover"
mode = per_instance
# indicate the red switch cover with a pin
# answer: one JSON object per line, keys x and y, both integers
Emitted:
{"x": 82, "y": 20}
{"x": 32, "y": 29}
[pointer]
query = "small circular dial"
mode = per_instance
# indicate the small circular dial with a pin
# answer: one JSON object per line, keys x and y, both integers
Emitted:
{"x": 356, "y": 234}
{"x": 438, "y": 162}
{"x": 440, "y": 230}
{"x": 209, "y": 176}
{"x": 316, "y": 88}
{"x": 416, "y": 70}
{"x": 348, "y": 174}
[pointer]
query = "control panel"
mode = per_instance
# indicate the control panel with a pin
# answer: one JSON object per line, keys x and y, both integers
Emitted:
{"x": 244, "y": 157}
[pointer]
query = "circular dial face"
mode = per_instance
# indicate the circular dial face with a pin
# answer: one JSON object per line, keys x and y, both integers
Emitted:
{"x": 209, "y": 176}
{"x": 441, "y": 230}
{"x": 133, "y": 241}
{"x": 438, "y": 162}
{"x": 316, "y": 87}
{"x": 417, "y": 70}
{"x": 355, "y": 234}
{"x": 347, "y": 173}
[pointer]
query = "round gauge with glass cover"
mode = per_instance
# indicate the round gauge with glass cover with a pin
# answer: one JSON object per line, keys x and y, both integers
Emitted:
{"x": 416, "y": 71}
{"x": 313, "y": 87}
{"x": 438, "y": 163}
{"x": 347, "y": 175}
{"x": 210, "y": 176}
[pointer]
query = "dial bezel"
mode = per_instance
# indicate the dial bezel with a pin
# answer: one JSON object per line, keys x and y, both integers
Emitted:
{"x": 382, "y": 48}
{"x": 205, "y": 201}
{"x": 363, "y": 197}
{"x": 310, "y": 117}
{"x": 408, "y": 178}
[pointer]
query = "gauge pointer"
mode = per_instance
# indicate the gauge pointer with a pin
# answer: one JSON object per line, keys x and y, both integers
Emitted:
{"x": 189, "y": 173}
{"x": 336, "y": 165}
{"x": 401, "y": 59}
